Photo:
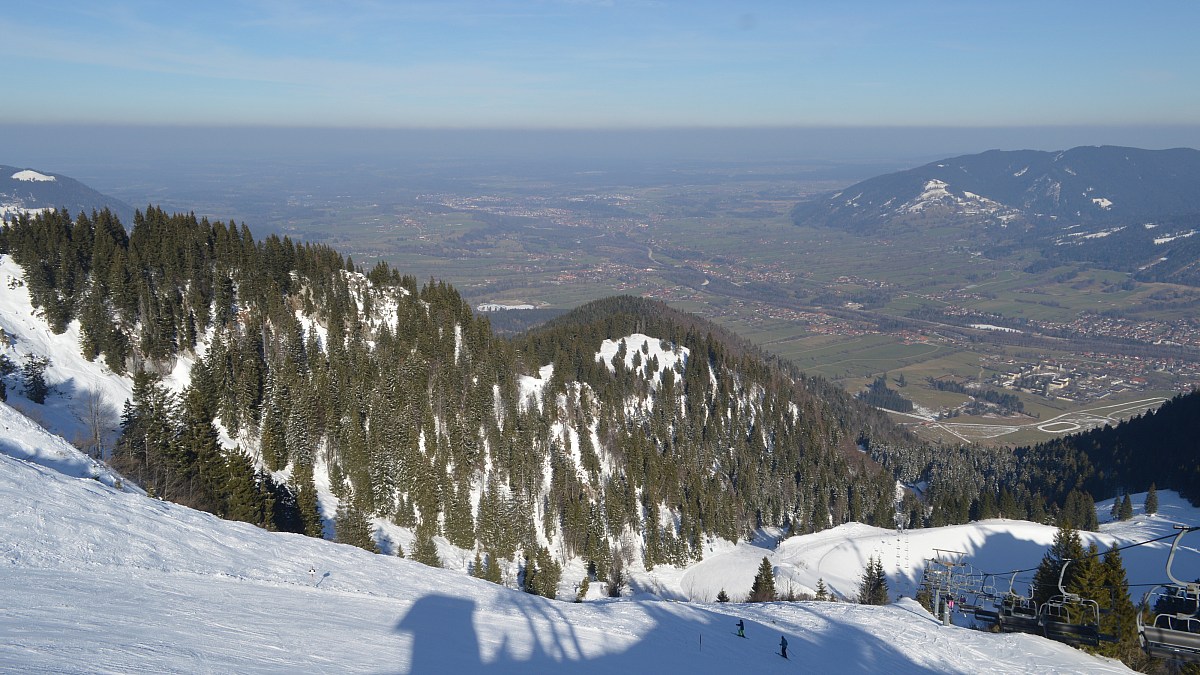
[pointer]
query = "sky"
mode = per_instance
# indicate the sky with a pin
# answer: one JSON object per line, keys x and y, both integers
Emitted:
{"x": 616, "y": 64}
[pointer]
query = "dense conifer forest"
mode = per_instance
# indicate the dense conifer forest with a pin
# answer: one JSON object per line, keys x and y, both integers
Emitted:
{"x": 420, "y": 414}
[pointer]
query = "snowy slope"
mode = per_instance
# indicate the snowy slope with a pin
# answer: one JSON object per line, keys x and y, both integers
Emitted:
{"x": 76, "y": 383}
{"x": 839, "y": 555}
{"x": 101, "y": 580}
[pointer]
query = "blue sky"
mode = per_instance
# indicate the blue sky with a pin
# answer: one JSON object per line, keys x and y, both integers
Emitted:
{"x": 618, "y": 64}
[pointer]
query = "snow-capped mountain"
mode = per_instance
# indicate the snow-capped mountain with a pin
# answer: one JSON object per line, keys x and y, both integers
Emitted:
{"x": 1084, "y": 185}
{"x": 29, "y": 190}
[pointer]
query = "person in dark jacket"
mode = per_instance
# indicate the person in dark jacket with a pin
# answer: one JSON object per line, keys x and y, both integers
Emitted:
{"x": 741, "y": 628}
{"x": 783, "y": 646}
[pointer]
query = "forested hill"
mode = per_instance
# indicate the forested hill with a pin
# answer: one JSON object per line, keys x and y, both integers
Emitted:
{"x": 334, "y": 385}
{"x": 1103, "y": 185}
{"x": 29, "y": 190}
{"x": 1161, "y": 448}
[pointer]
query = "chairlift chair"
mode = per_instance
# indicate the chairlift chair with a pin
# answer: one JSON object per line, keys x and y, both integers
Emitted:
{"x": 1174, "y": 631}
{"x": 1018, "y": 613}
{"x": 1069, "y": 617}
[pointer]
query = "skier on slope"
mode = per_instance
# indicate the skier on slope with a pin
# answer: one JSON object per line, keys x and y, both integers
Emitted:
{"x": 783, "y": 646}
{"x": 741, "y": 628}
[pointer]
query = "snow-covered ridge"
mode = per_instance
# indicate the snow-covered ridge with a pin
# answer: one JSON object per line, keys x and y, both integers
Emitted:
{"x": 30, "y": 175}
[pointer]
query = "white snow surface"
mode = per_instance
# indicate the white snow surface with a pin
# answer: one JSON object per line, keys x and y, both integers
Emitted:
{"x": 75, "y": 382}
{"x": 668, "y": 355}
{"x": 101, "y": 580}
{"x": 30, "y": 175}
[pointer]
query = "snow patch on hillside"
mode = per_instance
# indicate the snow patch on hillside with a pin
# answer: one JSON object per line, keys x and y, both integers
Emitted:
{"x": 33, "y": 176}
{"x": 936, "y": 194}
{"x": 642, "y": 349}
{"x": 1164, "y": 240}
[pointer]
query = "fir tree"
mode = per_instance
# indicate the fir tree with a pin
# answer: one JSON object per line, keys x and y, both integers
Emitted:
{"x": 491, "y": 570}
{"x": 1066, "y": 546}
{"x": 424, "y": 549}
{"x": 1151, "y": 505}
{"x": 352, "y": 527}
{"x": 1118, "y": 617}
{"x": 1125, "y": 512}
{"x": 722, "y": 596}
{"x": 33, "y": 374}
{"x": 763, "y": 589}
{"x": 822, "y": 590}
{"x": 873, "y": 589}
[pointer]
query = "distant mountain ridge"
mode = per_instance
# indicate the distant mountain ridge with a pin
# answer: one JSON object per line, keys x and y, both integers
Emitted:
{"x": 32, "y": 190}
{"x": 1124, "y": 209}
{"x": 1088, "y": 185}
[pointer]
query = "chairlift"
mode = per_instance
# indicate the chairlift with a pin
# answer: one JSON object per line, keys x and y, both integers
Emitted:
{"x": 1017, "y": 613}
{"x": 1174, "y": 632}
{"x": 983, "y": 592}
{"x": 1069, "y": 617}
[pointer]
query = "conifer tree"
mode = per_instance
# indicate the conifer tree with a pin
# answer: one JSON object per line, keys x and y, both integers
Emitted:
{"x": 1151, "y": 505}
{"x": 763, "y": 589}
{"x": 33, "y": 374}
{"x": 1066, "y": 546}
{"x": 1125, "y": 512}
{"x": 722, "y": 596}
{"x": 1118, "y": 617}
{"x": 352, "y": 527}
{"x": 491, "y": 571}
{"x": 424, "y": 549}
{"x": 873, "y": 589}
{"x": 822, "y": 590}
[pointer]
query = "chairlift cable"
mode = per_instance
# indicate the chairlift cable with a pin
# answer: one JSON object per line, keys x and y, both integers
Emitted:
{"x": 1093, "y": 555}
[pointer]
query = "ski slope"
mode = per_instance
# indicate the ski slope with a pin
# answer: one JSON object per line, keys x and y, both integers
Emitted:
{"x": 98, "y": 579}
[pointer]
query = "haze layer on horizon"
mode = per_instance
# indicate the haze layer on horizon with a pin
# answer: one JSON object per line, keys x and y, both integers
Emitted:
{"x": 62, "y": 147}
